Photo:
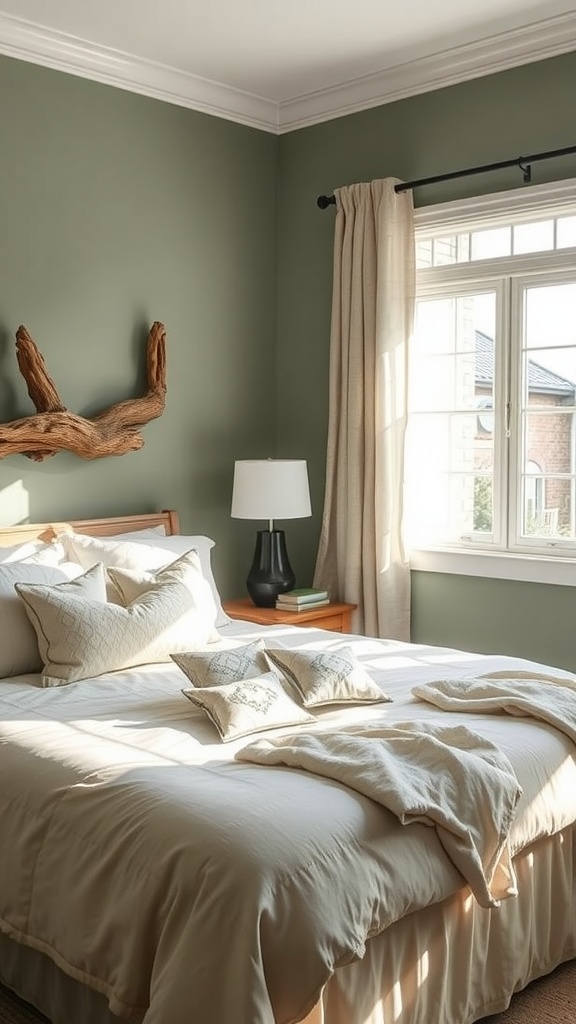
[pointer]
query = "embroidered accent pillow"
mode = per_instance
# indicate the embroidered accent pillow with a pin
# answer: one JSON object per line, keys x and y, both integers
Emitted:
{"x": 252, "y": 705}
{"x": 327, "y": 677}
{"x": 230, "y": 666}
{"x": 80, "y": 637}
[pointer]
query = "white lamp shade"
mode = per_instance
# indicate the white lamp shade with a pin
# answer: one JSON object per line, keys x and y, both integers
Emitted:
{"x": 270, "y": 489}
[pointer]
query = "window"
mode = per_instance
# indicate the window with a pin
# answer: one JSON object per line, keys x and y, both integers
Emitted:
{"x": 491, "y": 441}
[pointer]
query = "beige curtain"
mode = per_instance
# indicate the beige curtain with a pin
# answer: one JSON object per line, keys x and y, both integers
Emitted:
{"x": 361, "y": 555}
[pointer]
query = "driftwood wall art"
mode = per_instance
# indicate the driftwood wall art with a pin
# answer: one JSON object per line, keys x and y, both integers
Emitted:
{"x": 114, "y": 431}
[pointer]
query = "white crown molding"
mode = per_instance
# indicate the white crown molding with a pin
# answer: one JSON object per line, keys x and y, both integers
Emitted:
{"x": 460, "y": 64}
{"x": 36, "y": 44}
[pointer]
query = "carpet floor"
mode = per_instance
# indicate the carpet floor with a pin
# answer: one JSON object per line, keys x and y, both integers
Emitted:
{"x": 550, "y": 1000}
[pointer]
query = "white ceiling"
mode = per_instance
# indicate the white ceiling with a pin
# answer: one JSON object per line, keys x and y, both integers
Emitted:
{"x": 282, "y": 65}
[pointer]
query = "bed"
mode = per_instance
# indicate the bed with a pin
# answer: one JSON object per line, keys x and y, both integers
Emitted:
{"x": 168, "y": 859}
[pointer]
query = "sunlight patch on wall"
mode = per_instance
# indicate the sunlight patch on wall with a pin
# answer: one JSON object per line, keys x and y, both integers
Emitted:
{"x": 14, "y": 504}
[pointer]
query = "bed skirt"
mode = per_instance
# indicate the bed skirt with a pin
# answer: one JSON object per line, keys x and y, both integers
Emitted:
{"x": 452, "y": 963}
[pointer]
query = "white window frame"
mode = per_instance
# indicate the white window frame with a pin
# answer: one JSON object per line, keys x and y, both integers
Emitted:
{"x": 440, "y": 220}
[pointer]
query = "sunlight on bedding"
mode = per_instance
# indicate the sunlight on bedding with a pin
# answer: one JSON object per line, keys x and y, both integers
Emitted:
{"x": 451, "y": 658}
{"x": 396, "y": 1000}
{"x": 468, "y": 904}
{"x": 556, "y": 793}
{"x": 423, "y": 967}
{"x": 81, "y": 745}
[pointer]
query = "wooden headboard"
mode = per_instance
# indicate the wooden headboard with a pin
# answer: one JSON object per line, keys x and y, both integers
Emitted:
{"x": 94, "y": 527}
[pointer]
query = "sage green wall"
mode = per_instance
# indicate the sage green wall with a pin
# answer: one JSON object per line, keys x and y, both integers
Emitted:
{"x": 525, "y": 110}
{"x": 530, "y": 620}
{"x": 117, "y": 210}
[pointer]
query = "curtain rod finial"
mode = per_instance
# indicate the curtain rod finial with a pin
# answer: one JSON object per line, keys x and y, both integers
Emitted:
{"x": 325, "y": 201}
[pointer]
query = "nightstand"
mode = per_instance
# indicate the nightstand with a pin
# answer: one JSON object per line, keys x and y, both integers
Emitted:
{"x": 335, "y": 616}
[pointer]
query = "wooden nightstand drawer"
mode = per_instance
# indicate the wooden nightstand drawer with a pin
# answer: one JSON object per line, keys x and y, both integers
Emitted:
{"x": 335, "y": 622}
{"x": 335, "y": 616}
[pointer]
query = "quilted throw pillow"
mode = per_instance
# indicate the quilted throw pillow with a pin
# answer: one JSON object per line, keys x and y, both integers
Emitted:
{"x": 216, "y": 669}
{"x": 252, "y": 705}
{"x": 79, "y": 637}
{"x": 327, "y": 677}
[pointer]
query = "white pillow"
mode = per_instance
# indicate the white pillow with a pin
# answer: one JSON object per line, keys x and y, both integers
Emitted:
{"x": 252, "y": 705}
{"x": 17, "y": 552}
{"x": 142, "y": 555}
{"x": 18, "y": 644}
{"x": 40, "y": 553}
{"x": 131, "y": 585}
{"x": 35, "y": 552}
{"x": 80, "y": 637}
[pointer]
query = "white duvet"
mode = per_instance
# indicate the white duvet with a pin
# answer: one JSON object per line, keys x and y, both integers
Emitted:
{"x": 188, "y": 886}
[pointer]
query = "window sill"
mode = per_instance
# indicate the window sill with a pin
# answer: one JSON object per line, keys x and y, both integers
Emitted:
{"x": 497, "y": 565}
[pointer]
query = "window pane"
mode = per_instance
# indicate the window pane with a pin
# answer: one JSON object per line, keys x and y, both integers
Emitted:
{"x": 535, "y": 237}
{"x": 445, "y": 251}
{"x": 424, "y": 254}
{"x": 548, "y": 497}
{"x": 440, "y": 252}
{"x": 483, "y": 510}
{"x": 550, "y": 316}
{"x": 449, "y": 478}
{"x": 549, "y": 377}
{"x": 445, "y": 382}
{"x": 450, "y": 325}
{"x": 565, "y": 232}
{"x": 548, "y": 507}
{"x": 450, "y": 444}
{"x": 486, "y": 245}
{"x": 548, "y": 441}
{"x": 463, "y": 248}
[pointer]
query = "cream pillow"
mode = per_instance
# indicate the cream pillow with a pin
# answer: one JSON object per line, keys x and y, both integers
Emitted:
{"x": 327, "y": 677}
{"x": 18, "y": 644}
{"x": 205, "y": 669}
{"x": 131, "y": 585}
{"x": 142, "y": 555}
{"x": 80, "y": 637}
{"x": 252, "y": 705}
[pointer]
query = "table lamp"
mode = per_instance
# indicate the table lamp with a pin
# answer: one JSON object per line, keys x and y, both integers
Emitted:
{"x": 270, "y": 489}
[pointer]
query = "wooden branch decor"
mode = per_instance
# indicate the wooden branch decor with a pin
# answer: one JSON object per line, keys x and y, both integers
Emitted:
{"x": 115, "y": 431}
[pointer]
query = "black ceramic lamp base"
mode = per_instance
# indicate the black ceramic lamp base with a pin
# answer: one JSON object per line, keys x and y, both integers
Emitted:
{"x": 270, "y": 573}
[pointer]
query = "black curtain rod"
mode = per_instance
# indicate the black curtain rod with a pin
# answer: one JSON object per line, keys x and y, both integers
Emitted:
{"x": 523, "y": 162}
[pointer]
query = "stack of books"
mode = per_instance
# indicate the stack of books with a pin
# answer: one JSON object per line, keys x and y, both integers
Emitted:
{"x": 302, "y": 599}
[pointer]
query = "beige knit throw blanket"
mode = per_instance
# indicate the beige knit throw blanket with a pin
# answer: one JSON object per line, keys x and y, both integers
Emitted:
{"x": 446, "y": 777}
{"x": 549, "y": 698}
